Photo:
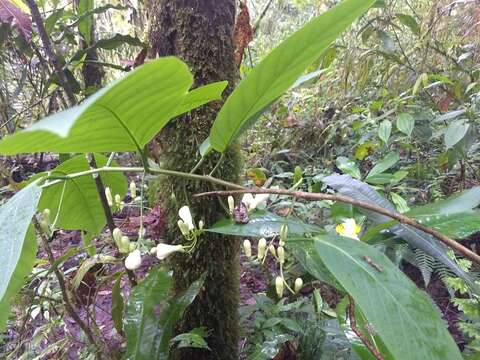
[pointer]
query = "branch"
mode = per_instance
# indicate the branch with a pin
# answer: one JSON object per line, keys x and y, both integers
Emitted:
{"x": 353, "y": 325}
{"x": 363, "y": 204}
{"x": 63, "y": 287}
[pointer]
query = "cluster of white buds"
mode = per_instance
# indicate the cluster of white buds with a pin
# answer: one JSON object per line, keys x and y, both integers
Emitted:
{"x": 113, "y": 200}
{"x": 253, "y": 202}
{"x": 280, "y": 285}
{"x": 186, "y": 223}
{"x": 122, "y": 241}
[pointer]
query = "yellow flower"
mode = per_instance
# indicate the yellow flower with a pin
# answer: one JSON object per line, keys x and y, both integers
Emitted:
{"x": 349, "y": 228}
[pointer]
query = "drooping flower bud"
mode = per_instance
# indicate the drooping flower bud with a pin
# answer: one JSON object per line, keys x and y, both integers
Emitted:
{"x": 132, "y": 246}
{"x": 125, "y": 245}
{"x": 183, "y": 228}
{"x": 272, "y": 251}
{"x": 133, "y": 190}
{"x": 247, "y": 247}
{"x": 117, "y": 236}
{"x": 262, "y": 245}
{"x": 298, "y": 284}
{"x": 281, "y": 254}
{"x": 165, "y": 250}
{"x": 133, "y": 260}
{"x": 200, "y": 225}
{"x": 46, "y": 216}
{"x": 186, "y": 216}
{"x": 279, "y": 286}
{"x": 118, "y": 200}
{"x": 45, "y": 227}
{"x": 108, "y": 195}
{"x": 231, "y": 204}
{"x": 283, "y": 234}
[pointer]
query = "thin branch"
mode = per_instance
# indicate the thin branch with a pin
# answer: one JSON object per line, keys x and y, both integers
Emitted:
{"x": 62, "y": 78}
{"x": 363, "y": 204}
{"x": 63, "y": 287}
{"x": 353, "y": 325}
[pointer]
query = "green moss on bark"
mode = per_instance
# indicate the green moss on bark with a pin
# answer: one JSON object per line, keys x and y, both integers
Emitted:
{"x": 201, "y": 33}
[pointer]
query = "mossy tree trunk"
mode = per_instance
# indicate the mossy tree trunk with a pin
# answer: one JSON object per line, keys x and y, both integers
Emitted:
{"x": 200, "y": 32}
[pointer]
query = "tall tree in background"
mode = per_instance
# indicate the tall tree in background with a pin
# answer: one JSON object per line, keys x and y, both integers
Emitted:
{"x": 200, "y": 32}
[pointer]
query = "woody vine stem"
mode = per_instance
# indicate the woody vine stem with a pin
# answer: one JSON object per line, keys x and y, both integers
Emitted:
{"x": 238, "y": 189}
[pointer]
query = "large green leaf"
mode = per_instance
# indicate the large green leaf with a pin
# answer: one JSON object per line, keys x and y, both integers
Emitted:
{"x": 85, "y": 25}
{"x": 124, "y": 116}
{"x": 148, "y": 336}
{"x": 280, "y": 69}
{"x": 358, "y": 190}
{"x": 80, "y": 208}
{"x": 403, "y": 316}
{"x": 22, "y": 270}
{"x": 386, "y": 163}
{"x": 15, "y": 217}
{"x": 140, "y": 322}
{"x": 261, "y": 224}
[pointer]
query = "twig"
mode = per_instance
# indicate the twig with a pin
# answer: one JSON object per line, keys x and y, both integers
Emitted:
{"x": 63, "y": 288}
{"x": 363, "y": 204}
{"x": 353, "y": 326}
{"x": 62, "y": 78}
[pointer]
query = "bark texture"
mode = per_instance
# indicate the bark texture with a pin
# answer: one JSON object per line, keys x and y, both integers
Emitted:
{"x": 200, "y": 32}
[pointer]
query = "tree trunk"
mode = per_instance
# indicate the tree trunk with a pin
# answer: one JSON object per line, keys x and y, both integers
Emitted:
{"x": 200, "y": 32}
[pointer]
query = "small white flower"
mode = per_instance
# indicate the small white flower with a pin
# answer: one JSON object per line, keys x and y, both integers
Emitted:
{"x": 186, "y": 216}
{"x": 298, "y": 284}
{"x": 133, "y": 260}
{"x": 279, "y": 286}
{"x": 260, "y": 200}
{"x": 165, "y": 250}
{"x": 349, "y": 228}
{"x": 247, "y": 247}
{"x": 248, "y": 200}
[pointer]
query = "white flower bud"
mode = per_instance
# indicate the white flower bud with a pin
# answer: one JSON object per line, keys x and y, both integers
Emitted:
{"x": 183, "y": 228}
{"x": 283, "y": 233}
{"x": 298, "y": 284}
{"x": 262, "y": 245}
{"x": 231, "y": 204}
{"x": 153, "y": 251}
{"x": 260, "y": 200}
{"x": 118, "y": 200}
{"x": 46, "y": 216}
{"x": 281, "y": 254}
{"x": 272, "y": 251}
{"x": 133, "y": 260}
{"x": 279, "y": 286}
{"x": 45, "y": 227}
{"x": 200, "y": 225}
{"x": 186, "y": 216}
{"x": 132, "y": 246}
{"x": 125, "y": 245}
{"x": 133, "y": 190}
{"x": 247, "y": 247}
{"x": 117, "y": 236}
{"x": 165, "y": 250}
{"x": 108, "y": 195}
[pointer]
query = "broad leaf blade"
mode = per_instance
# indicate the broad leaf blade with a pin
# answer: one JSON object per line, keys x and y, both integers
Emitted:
{"x": 358, "y": 190}
{"x": 17, "y": 280}
{"x": 386, "y": 163}
{"x": 261, "y": 224}
{"x": 80, "y": 208}
{"x": 140, "y": 322}
{"x": 15, "y": 217}
{"x": 280, "y": 69}
{"x": 402, "y": 315}
{"x": 124, "y": 116}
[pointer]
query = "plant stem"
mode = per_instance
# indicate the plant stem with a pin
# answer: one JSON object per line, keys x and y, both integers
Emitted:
{"x": 63, "y": 288}
{"x": 363, "y": 204}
